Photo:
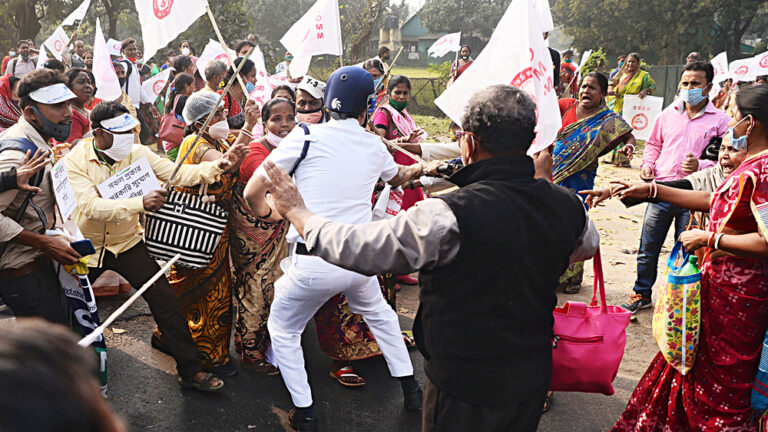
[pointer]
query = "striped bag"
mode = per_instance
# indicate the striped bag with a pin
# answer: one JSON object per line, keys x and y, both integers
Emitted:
{"x": 187, "y": 225}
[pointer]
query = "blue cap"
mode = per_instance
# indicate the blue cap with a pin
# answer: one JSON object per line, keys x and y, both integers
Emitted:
{"x": 349, "y": 90}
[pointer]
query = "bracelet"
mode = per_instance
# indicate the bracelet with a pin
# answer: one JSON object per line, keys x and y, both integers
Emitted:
{"x": 655, "y": 189}
{"x": 709, "y": 241}
{"x": 248, "y": 134}
{"x": 717, "y": 241}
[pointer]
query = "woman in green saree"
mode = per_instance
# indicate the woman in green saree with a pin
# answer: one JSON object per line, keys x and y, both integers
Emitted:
{"x": 589, "y": 131}
{"x": 630, "y": 81}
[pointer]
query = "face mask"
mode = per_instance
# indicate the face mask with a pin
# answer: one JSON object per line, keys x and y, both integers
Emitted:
{"x": 273, "y": 139}
{"x": 122, "y": 144}
{"x": 311, "y": 117}
{"x": 288, "y": 58}
{"x": 568, "y": 60}
{"x": 621, "y": 64}
{"x": 739, "y": 143}
{"x": 121, "y": 81}
{"x": 376, "y": 82}
{"x": 397, "y": 105}
{"x": 250, "y": 87}
{"x": 12, "y": 54}
{"x": 59, "y": 132}
{"x": 692, "y": 96}
{"x": 185, "y": 51}
{"x": 219, "y": 130}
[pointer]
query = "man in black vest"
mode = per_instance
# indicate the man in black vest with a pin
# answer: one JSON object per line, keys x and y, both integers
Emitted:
{"x": 489, "y": 255}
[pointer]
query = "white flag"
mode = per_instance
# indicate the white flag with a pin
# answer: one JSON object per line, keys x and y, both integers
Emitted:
{"x": 57, "y": 42}
{"x": 515, "y": 55}
{"x": 448, "y": 43}
{"x": 761, "y": 63}
{"x": 155, "y": 85}
{"x": 317, "y": 32}
{"x": 213, "y": 51}
{"x": 114, "y": 46}
{"x": 107, "y": 85}
{"x": 743, "y": 70}
{"x": 544, "y": 14}
{"x": 720, "y": 65}
{"x": 77, "y": 14}
{"x": 299, "y": 66}
{"x": 257, "y": 57}
{"x": 41, "y": 58}
{"x": 163, "y": 20}
{"x": 641, "y": 113}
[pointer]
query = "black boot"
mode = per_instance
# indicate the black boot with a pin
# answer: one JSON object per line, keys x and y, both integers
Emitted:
{"x": 303, "y": 419}
{"x": 412, "y": 394}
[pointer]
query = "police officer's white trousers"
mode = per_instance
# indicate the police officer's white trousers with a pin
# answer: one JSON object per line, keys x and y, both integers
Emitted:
{"x": 307, "y": 283}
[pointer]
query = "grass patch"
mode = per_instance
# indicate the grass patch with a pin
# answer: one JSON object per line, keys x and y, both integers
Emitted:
{"x": 436, "y": 127}
{"x": 413, "y": 72}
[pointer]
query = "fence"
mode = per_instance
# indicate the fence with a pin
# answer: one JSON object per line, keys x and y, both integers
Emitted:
{"x": 667, "y": 79}
{"x": 424, "y": 91}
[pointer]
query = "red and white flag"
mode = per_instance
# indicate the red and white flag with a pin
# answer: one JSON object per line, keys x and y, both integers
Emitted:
{"x": 544, "y": 14}
{"x": 155, "y": 85}
{"x": 448, "y": 43}
{"x": 213, "y": 51}
{"x": 114, "y": 46}
{"x": 41, "y": 58}
{"x": 163, "y": 20}
{"x": 107, "y": 84}
{"x": 77, "y": 14}
{"x": 761, "y": 63}
{"x": 743, "y": 70}
{"x": 515, "y": 55}
{"x": 317, "y": 32}
{"x": 57, "y": 42}
{"x": 263, "y": 89}
{"x": 720, "y": 65}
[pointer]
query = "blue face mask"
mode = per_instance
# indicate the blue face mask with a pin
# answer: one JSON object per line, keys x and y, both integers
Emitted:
{"x": 568, "y": 60}
{"x": 250, "y": 87}
{"x": 376, "y": 82}
{"x": 739, "y": 143}
{"x": 692, "y": 96}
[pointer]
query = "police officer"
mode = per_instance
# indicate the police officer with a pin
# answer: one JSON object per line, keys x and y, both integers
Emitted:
{"x": 342, "y": 164}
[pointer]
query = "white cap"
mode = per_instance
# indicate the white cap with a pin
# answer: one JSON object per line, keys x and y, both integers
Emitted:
{"x": 52, "y": 94}
{"x": 121, "y": 123}
{"x": 312, "y": 86}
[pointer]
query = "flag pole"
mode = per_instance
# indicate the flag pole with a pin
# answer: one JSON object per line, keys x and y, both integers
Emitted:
{"x": 224, "y": 47}
{"x": 341, "y": 60}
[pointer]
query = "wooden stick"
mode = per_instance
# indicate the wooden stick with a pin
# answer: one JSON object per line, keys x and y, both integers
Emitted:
{"x": 341, "y": 61}
{"x": 226, "y": 49}
{"x": 91, "y": 338}
{"x": 179, "y": 162}
{"x": 389, "y": 71}
{"x": 395, "y": 146}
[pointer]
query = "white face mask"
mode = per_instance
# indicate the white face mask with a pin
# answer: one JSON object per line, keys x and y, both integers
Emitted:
{"x": 185, "y": 51}
{"x": 219, "y": 130}
{"x": 273, "y": 139}
{"x": 122, "y": 144}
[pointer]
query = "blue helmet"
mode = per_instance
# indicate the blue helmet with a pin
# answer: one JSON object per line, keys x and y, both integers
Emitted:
{"x": 349, "y": 90}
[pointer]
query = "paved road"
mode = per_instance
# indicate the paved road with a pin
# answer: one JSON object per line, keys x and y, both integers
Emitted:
{"x": 143, "y": 390}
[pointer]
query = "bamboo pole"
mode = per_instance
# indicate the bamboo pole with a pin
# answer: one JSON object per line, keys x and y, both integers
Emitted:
{"x": 226, "y": 48}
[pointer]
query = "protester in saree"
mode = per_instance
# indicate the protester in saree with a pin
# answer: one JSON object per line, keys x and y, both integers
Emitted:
{"x": 205, "y": 294}
{"x": 630, "y": 81}
{"x": 9, "y": 100}
{"x": 257, "y": 243}
{"x": 376, "y": 68}
{"x": 80, "y": 82}
{"x": 462, "y": 63}
{"x": 234, "y": 100}
{"x": 589, "y": 131}
{"x": 715, "y": 394}
{"x": 393, "y": 122}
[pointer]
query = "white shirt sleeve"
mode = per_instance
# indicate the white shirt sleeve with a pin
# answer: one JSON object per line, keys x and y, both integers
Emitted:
{"x": 286, "y": 154}
{"x": 389, "y": 168}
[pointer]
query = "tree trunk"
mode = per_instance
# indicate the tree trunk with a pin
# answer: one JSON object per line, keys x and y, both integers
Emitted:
{"x": 112, "y": 8}
{"x": 27, "y": 23}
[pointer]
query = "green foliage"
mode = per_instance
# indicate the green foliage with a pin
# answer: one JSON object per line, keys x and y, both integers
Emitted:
{"x": 471, "y": 17}
{"x": 436, "y": 127}
{"x": 440, "y": 70}
{"x": 595, "y": 62}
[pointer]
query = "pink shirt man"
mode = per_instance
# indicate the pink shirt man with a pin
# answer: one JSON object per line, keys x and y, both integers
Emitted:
{"x": 674, "y": 135}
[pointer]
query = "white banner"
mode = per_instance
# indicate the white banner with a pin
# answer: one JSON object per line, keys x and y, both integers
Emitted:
{"x": 62, "y": 190}
{"x": 279, "y": 79}
{"x": 641, "y": 114}
{"x": 114, "y": 47}
{"x": 317, "y": 32}
{"x": 213, "y": 51}
{"x": 41, "y": 58}
{"x": 515, "y": 55}
{"x": 107, "y": 84}
{"x": 57, "y": 42}
{"x": 448, "y": 43}
{"x": 544, "y": 14}
{"x": 299, "y": 66}
{"x": 155, "y": 85}
{"x": 163, "y": 20}
{"x": 761, "y": 63}
{"x": 77, "y": 14}
{"x": 720, "y": 65}
{"x": 135, "y": 181}
{"x": 743, "y": 70}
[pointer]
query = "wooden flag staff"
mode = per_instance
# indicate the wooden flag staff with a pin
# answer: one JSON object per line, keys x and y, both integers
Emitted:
{"x": 226, "y": 49}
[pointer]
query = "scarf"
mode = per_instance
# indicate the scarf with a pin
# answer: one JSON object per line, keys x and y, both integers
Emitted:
{"x": 402, "y": 120}
{"x": 9, "y": 113}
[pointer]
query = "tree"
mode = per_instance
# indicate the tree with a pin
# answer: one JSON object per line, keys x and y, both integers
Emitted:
{"x": 112, "y": 11}
{"x": 357, "y": 26}
{"x": 471, "y": 17}
{"x": 21, "y": 19}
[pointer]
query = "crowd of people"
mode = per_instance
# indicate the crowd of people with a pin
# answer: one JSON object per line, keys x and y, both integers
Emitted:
{"x": 333, "y": 197}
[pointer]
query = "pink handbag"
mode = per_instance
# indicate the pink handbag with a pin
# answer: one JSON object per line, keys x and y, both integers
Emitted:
{"x": 171, "y": 129}
{"x": 588, "y": 342}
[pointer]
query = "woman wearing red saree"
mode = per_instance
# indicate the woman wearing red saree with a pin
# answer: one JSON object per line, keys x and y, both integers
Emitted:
{"x": 9, "y": 109}
{"x": 715, "y": 394}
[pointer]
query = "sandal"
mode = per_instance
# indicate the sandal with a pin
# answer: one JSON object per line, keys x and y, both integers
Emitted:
{"x": 347, "y": 377}
{"x": 410, "y": 342}
{"x": 548, "y": 402}
{"x": 261, "y": 367}
{"x": 203, "y": 385}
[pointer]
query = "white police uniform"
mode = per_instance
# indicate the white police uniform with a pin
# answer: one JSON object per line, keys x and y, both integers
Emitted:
{"x": 336, "y": 181}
